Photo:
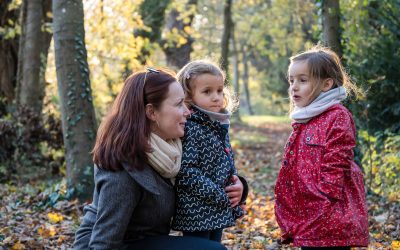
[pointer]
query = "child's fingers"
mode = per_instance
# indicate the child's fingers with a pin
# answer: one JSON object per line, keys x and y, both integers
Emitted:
{"x": 234, "y": 202}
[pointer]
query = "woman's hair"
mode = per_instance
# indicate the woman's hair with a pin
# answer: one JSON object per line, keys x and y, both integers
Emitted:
{"x": 323, "y": 63}
{"x": 123, "y": 135}
{"x": 198, "y": 67}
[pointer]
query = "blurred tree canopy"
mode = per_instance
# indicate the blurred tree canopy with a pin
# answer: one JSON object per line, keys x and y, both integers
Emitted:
{"x": 371, "y": 38}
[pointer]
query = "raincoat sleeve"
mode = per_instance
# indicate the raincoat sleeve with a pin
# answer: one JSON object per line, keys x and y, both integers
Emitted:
{"x": 338, "y": 155}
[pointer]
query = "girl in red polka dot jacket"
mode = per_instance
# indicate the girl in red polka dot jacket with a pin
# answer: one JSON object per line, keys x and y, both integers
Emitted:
{"x": 319, "y": 193}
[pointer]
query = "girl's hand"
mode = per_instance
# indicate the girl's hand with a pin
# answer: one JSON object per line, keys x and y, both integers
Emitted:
{"x": 234, "y": 191}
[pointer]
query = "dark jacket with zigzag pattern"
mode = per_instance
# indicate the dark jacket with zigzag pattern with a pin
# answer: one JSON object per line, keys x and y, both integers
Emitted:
{"x": 207, "y": 164}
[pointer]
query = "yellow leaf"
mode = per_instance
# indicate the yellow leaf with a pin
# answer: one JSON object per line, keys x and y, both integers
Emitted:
{"x": 18, "y": 246}
{"x": 393, "y": 197}
{"x": 47, "y": 231}
{"x": 395, "y": 245}
{"x": 55, "y": 218}
{"x": 182, "y": 40}
{"x": 374, "y": 169}
{"x": 187, "y": 29}
{"x": 230, "y": 236}
{"x": 52, "y": 231}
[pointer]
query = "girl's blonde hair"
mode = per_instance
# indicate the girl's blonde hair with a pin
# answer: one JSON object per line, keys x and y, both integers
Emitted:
{"x": 323, "y": 63}
{"x": 198, "y": 67}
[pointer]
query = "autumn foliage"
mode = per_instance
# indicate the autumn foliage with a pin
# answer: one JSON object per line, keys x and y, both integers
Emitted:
{"x": 39, "y": 217}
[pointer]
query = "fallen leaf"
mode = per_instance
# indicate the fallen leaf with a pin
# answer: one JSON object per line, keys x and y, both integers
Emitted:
{"x": 18, "y": 246}
{"x": 55, "y": 217}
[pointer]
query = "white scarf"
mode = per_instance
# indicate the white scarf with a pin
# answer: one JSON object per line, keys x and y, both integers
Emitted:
{"x": 324, "y": 101}
{"x": 166, "y": 156}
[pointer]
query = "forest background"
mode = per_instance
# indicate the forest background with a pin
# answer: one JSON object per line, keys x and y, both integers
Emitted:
{"x": 63, "y": 62}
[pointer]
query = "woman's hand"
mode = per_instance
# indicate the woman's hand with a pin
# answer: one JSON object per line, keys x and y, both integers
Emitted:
{"x": 235, "y": 191}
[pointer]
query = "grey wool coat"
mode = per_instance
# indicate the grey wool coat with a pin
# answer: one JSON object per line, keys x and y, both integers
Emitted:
{"x": 127, "y": 205}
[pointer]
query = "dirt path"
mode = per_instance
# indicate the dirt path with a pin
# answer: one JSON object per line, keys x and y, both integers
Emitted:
{"x": 258, "y": 151}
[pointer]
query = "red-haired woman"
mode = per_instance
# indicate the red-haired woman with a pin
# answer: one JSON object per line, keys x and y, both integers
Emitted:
{"x": 137, "y": 155}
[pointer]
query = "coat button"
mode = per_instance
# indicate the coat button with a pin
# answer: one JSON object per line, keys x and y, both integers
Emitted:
{"x": 308, "y": 139}
{"x": 291, "y": 152}
{"x": 285, "y": 162}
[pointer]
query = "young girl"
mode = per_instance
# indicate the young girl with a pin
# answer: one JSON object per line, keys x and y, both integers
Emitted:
{"x": 203, "y": 208}
{"x": 320, "y": 197}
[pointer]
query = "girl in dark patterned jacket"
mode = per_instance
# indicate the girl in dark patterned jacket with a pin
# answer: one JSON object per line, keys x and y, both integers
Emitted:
{"x": 203, "y": 208}
{"x": 319, "y": 194}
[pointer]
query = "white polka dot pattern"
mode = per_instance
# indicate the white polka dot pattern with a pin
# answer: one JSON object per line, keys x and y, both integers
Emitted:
{"x": 319, "y": 193}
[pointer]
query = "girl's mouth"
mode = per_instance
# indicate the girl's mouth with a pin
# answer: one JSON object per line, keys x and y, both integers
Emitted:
{"x": 296, "y": 97}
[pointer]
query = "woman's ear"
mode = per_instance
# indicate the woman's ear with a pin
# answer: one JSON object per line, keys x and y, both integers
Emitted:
{"x": 150, "y": 112}
{"x": 328, "y": 84}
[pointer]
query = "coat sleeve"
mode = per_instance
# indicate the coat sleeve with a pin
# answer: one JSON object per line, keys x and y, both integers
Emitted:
{"x": 232, "y": 154}
{"x": 118, "y": 197}
{"x": 338, "y": 155}
{"x": 191, "y": 179}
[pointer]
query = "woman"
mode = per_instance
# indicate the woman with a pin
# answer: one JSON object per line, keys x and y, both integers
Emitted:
{"x": 137, "y": 155}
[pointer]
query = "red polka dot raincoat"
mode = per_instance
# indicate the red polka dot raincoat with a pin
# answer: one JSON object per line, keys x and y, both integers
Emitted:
{"x": 320, "y": 197}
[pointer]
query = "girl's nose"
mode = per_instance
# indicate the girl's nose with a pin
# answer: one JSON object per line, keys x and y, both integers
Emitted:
{"x": 295, "y": 86}
{"x": 214, "y": 97}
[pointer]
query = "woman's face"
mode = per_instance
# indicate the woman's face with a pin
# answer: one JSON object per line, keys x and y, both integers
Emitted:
{"x": 170, "y": 117}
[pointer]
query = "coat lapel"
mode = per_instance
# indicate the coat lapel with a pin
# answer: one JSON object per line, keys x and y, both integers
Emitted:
{"x": 144, "y": 177}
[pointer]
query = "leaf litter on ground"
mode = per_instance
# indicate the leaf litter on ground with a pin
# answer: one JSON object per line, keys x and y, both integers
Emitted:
{"x": 31, "y": 218}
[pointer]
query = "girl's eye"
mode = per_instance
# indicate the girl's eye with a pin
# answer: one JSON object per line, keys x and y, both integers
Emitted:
{"x": 220, "y": 91}
{"x": 291, "y": 81}
{"x": 207, "y": 92}
{"x": 303, "y": 80}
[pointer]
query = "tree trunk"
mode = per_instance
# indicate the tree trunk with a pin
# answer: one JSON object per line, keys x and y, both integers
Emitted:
{"x": 77, "y": 112}
{"x": 30, "y": 92}
{"x": 35, "y": 46}
{"x": 21, "y": 43}
{"x": 330, "y": 24}
{"x": 8, "y": 54}
{"x": 246, "y": 80}
{"x": 47, "y": 36}
{"x": 235, "y": 79}
{"x": 226, "y": 36}
{"x": 179, "y": 55}
{"x": 152, "y": 13}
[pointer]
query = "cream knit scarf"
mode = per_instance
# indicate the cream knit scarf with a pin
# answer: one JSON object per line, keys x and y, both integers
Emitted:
{"x": 166, "y": 156}
{"x": 324, "y": 101}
